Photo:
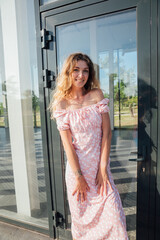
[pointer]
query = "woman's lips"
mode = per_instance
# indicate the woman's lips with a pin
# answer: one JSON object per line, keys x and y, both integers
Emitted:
{"x": 79, "y": 80}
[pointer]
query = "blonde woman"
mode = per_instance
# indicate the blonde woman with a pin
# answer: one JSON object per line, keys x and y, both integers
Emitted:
{"x": 81, "y": 113}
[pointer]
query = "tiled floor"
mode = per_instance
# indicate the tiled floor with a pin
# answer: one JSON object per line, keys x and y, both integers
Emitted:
{"x": 123, "y": 171}
{"x": 10, "y": 232}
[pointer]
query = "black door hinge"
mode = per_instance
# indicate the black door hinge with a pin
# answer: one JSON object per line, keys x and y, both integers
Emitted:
{"x": 48, "y": 78}
{"x": 58, "y": 219}
{"x": 46, "y": 37}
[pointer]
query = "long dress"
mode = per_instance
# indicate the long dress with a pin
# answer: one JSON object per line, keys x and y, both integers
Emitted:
{"x": 98, "y": 217}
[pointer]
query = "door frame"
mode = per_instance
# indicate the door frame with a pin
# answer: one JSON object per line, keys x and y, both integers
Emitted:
{"x": 61, "y": 14}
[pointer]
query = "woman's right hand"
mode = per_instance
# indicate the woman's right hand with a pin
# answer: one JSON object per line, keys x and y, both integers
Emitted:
{"x": 81, "y": 189}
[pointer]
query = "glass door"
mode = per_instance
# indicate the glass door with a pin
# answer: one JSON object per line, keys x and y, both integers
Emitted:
{"x": 23, "y": 191}
{"x": 110, "y": 41}
{"x": 111, "y": 38}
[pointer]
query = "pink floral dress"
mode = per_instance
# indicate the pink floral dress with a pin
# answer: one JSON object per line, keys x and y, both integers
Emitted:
{"x": 99, "y": 217}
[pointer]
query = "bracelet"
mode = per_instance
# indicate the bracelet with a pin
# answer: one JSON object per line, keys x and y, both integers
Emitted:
{"x": 78, "y": 173}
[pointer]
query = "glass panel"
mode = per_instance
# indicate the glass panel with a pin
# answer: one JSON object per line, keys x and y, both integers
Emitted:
{"x": 22, "y": 177}
{"x": 125, "y": 89}
{"x": 110, "y": 41}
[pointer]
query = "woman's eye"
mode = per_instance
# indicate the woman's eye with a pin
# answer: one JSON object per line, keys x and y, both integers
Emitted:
{"x": 75, "y": 70}
{"x": 86, "y": 71}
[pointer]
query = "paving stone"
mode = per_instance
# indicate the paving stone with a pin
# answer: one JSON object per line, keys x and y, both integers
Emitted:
{"x": 10, "y": 232}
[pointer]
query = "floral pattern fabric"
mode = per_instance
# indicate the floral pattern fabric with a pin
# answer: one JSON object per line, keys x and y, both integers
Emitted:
{"x": 99, "y": 217}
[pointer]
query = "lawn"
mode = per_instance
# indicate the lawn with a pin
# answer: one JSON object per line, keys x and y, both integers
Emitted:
{"x": 127, "y": 119}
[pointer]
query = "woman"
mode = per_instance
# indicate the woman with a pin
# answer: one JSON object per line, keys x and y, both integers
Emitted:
{"x": 81, "y": 113}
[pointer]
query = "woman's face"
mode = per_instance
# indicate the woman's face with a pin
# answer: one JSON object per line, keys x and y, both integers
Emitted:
{"x": 80, "y": 74}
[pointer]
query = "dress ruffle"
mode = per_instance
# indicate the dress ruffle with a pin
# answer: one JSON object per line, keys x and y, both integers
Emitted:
{"x": 62, "y": 115}
{"x": 62, "y": 119}
{"x": 103, "y": 105}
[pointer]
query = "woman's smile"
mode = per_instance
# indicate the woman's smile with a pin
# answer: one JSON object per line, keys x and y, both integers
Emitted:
{"x": 79, "y": 80}
{"x": 80, "y": 74}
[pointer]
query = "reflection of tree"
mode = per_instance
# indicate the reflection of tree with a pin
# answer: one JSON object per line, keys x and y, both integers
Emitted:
{"x": 4, "y": 107}
{"x": 106, "y": 95}
{"x": 31, "y": 104}
{"x": 124, "y": 104}
{"x": 35, "y": 107}
{"x": 121, "y": 71}
{"x": 120, "y": 95}
{"x": 122, "y": 80}
{"x": 104, "y": 61}
{"x": 1, "y": 109}
{"x": 119, "y": 92}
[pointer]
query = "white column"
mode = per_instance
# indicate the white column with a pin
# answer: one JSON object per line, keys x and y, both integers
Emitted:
{"x": 93, "y": 45}
{"x": 19, "y": 99}
{"x": 111, "y": 88}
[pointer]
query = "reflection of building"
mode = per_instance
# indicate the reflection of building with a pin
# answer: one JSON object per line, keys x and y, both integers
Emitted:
{"x": 118, "y": 37}
{"x": 23, "y": 194}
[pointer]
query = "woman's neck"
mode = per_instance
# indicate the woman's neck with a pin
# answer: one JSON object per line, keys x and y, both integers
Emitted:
{"x": 77, "y": 93}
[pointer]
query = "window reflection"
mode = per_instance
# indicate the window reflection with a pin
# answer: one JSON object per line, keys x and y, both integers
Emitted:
{"x": 22, "y": 176}
{"x": 125, "y": 89}
{"x": 110, "y": 41}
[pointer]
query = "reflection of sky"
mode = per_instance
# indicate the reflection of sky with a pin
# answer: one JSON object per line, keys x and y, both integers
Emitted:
{"x": 35, "y": 84}
{"x": 101, "y": 38}
{"x": 8, "y": 66}
{"x": 130, "y": 60}
{"x": 128, "y": 70}
{"x": 97, "y": 37}
{"x": 104, "y": 71}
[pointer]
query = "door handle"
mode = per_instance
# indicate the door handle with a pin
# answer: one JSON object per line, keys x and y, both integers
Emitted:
{"x": 48, "y": 78}
{"x": 141, "y": 157}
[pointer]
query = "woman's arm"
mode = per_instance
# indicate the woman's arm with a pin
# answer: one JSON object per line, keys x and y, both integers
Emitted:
{"x": 81, "y": 186}
{"x": 70, "y": 152}
{"x": 102, "y": 178}
{"x": 106, "y": 140}
{"x": 66, "y": 138}
{"x": 106, "y": 130}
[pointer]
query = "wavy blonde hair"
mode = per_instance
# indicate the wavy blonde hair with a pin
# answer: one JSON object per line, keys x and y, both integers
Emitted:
{"x": 64, "y": 82}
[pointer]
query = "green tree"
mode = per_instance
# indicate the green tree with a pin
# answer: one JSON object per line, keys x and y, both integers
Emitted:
{"x": 1, "y": 109}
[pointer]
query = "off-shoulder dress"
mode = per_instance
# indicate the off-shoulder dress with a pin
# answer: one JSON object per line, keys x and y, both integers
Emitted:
{"x": 99, "y": 217}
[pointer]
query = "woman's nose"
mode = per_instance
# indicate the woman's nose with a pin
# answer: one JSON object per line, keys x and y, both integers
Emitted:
{"x": 80, "y": 73}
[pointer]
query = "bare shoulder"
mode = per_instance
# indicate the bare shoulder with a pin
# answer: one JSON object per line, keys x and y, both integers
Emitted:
{"x": 61, "y": 105}
{"x": 97, "y": 94}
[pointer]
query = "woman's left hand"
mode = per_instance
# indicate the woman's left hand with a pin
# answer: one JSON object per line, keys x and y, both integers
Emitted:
{"x": 102, "y": 180}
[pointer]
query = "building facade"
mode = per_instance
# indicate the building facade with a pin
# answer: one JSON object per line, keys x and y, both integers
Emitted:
{"x": 122, "y": 38}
